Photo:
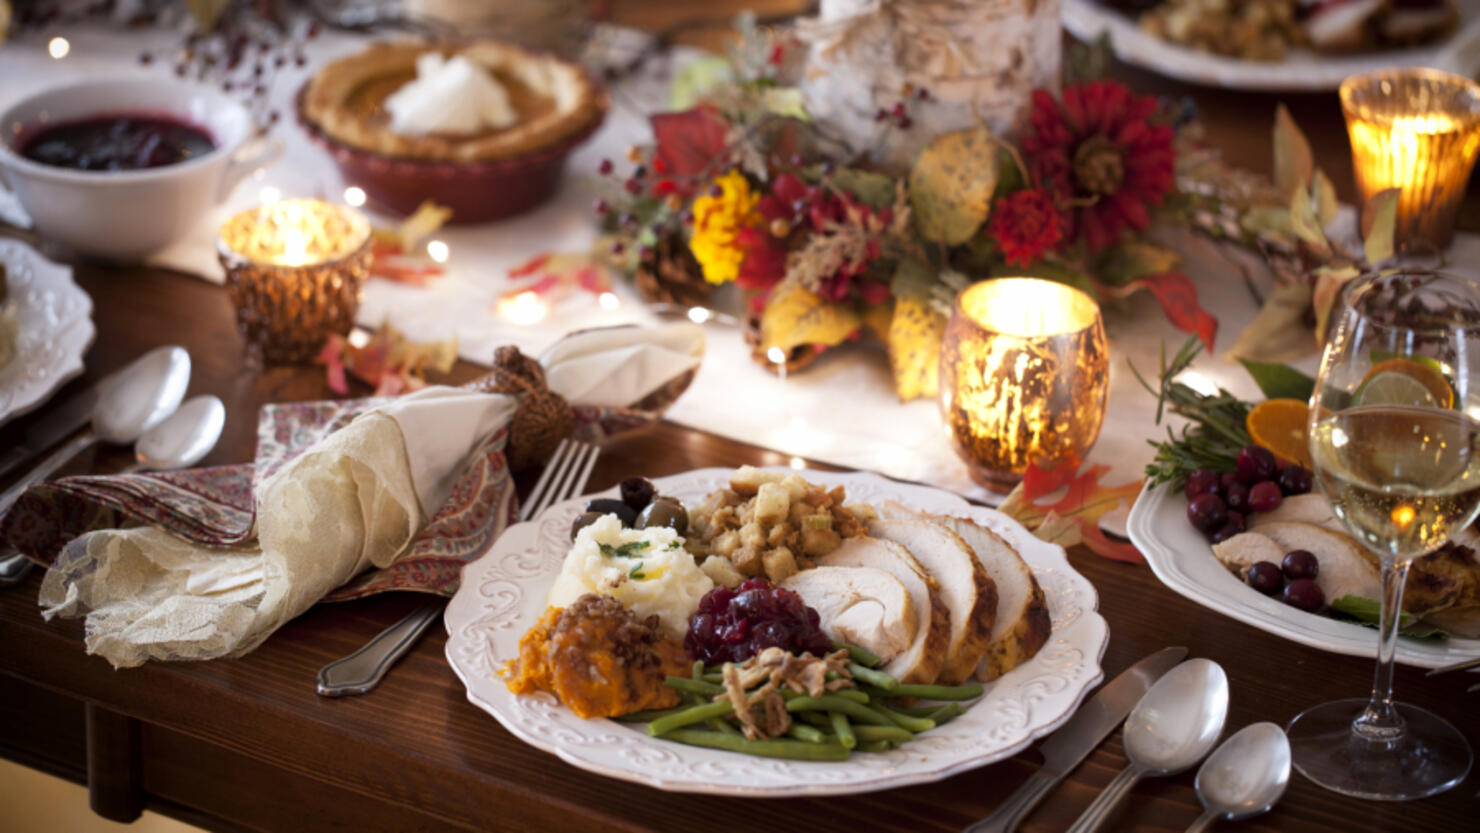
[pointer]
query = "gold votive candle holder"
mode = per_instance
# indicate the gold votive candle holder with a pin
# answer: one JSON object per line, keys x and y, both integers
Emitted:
{"x": 1416, "y": 130}
{"x": 1024, "y": 375}
{"x": 294, "y": 270}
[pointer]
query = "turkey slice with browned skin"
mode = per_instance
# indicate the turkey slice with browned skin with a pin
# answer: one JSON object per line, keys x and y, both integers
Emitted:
{"x": 922, "y": 661}
{"x": 969, "y": 593}
{"x": 1022, "y": 624}
{"x": 1346, "y": 567}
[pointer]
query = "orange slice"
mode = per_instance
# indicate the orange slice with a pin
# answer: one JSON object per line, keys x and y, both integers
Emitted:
{"x": 1279, "y": 425}
{"x": 1426, "y": 375}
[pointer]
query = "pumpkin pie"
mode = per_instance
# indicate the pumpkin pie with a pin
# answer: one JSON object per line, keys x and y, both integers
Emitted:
{"x": 552, "y": 101}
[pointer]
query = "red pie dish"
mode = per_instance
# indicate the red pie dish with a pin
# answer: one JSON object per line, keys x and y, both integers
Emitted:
{"x": 482, "y": 177}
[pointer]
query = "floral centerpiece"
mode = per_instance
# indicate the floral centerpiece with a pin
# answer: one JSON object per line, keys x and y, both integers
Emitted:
{"x": 833, "y": 243}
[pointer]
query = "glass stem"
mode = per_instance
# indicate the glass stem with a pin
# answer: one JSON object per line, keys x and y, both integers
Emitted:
{"x": 1380, "y": 722}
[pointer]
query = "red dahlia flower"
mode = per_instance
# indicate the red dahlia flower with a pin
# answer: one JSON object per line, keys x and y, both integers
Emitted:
{"x": 1098, "y": 151}
{"x": 1026, "y": 224}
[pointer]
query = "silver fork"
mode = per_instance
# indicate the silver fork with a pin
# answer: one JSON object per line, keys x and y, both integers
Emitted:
{"x": 564, "y": 477}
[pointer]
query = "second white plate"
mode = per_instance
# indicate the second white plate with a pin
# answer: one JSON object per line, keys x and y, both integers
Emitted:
{"x": 55, "y": 328}
{"x": 1182, "y": 558}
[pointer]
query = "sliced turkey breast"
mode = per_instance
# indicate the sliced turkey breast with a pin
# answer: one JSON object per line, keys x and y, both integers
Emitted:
{"x": 922, "y": 662}
{"x": 1312, "y": 508}
{"x": 969, "y": 593}
{"x": 1347, "y": 568}
{"x": 1022, "y": 623}
{"x": 866, "y": 606}
{"x": 1246, "y": 549}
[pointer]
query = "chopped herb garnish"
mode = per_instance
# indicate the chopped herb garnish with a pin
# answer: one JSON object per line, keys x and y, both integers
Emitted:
{"x": 626, "y": 550}
{"x": 636, "y": 573}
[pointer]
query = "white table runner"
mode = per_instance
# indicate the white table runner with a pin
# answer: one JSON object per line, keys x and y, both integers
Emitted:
{"x": 840, "y": 410}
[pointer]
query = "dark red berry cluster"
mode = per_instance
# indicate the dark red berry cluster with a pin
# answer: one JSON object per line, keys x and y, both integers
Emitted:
{"x": 735, "y": 625}
{"x": 1218, "y": 504}
{"x": 1300, "y": 567}
{"x": 899, "y": 114}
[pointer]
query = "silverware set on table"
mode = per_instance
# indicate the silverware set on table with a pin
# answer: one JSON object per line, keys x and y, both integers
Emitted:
{"x": 144, "y": 404}
{"x": 1174, "y": 713}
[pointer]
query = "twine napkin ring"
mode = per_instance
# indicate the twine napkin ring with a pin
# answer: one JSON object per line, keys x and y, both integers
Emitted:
{"x": 544, "y": 417}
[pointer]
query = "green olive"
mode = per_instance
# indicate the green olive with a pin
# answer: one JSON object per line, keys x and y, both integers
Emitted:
{"x": 584, "y": 521}
{"x": 664, "y": 511}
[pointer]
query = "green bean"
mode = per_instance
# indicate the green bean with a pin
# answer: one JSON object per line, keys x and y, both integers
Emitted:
{"x": 945, "y": 714}
{"x": 905, "y": 721}
{"x": 695, "y": 686}
{"x": 843, "y": 729}
{"x": 796, "y": 749}
{"x": 719, "y": 724}
{"x": 862, "y": 656}
{"x": 969, "y": 691}
{"x": 889, "y": 733}
{"x": 810, "y": 734}
{"x": 698, "y": 670}
{"x": 875, "y": 746}
{"x": 818, "y": 719}
{"x": 872, "y": 677}
{"x": 828, "y": 702}
{"x": 684, "y": 717}
{"x": 850, "y": 694}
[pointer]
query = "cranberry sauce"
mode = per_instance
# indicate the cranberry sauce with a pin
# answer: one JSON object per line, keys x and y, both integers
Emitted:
{"x": 117, "y": 143}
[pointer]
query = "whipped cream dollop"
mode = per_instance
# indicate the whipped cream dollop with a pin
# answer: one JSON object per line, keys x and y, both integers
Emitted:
{"x": 449, "y": 95}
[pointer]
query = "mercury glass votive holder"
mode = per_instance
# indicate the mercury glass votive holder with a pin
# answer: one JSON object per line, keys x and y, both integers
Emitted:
{"x": 1024, "y": 375}
{"x": 294, "y": 269}
{"x": 1416, "y": 130}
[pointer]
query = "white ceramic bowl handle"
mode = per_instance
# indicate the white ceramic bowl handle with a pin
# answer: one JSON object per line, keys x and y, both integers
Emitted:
{"x": 255, "y": 154}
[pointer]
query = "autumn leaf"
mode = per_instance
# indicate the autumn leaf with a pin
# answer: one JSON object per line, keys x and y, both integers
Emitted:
{"x": 1178, "y": 299}
{"x": 796, "y": 316}
{"x": 872, "y": 189}
{"x": 1323, "y": 194}
{"x": 1379, "y": 220}
{"x": 915, "y": 335}
{"x": 1329, "y": 281}
{"x": 877, "y": 318}
{"x": 389, "y": 362}
{"x": 1303, "y": 221}
{"x": 688, "y": 141}
{"x": 951, "y": 185}
{"x": 396, "y": 254}
{"x": 554, "y": 277}
{"x": 1293, "y": 161}
{"x": 1278, "y": 332}
{"x": 1074, "y": 518}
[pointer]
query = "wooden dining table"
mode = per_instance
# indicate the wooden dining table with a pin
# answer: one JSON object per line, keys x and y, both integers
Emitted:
{"x": 247, "y": 744}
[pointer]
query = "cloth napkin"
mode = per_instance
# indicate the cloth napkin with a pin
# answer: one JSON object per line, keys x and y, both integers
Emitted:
{"x": 344, "y": 499}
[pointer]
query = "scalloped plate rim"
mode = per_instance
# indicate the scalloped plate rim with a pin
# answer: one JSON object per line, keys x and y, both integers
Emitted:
{"x": 1178, "y": 560}
{"x": 1090, "y": 630}
{"x": 76, "y": 340}
{"x": 1309, "y": 71}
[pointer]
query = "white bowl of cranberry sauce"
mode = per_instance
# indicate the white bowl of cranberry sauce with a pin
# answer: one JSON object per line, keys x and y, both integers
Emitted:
{"x": 117, "y": 169}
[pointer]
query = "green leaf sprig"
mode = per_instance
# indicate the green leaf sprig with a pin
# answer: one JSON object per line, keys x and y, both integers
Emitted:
{"x": 1216, "y": 433}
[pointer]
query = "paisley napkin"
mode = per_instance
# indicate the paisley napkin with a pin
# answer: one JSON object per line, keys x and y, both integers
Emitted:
{"x": 344, "y": 499}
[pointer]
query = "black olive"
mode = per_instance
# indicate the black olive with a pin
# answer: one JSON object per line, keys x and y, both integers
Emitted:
{"x": 584, "y": 521}
{"x": 665, "y": 512}
{"x": 638, "y": 492}
{"x": 609, "y": 506}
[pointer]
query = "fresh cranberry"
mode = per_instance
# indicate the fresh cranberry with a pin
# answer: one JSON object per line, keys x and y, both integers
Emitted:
{"x": 1265, "y": 496}
{"x": 1256, "y": 463}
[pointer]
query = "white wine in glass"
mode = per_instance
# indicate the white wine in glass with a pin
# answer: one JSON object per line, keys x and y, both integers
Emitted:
{"x": 1393, "y": 443}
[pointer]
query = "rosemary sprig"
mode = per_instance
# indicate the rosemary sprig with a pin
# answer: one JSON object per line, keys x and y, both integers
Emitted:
{"x": 1216, "y": 433}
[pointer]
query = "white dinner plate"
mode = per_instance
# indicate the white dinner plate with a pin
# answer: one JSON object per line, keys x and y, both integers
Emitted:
{"x": 503, "y": 593}
{"x": 54, "y": 329}
{"x": 1182, "y": 558}
{"x": 1301, "y": 70}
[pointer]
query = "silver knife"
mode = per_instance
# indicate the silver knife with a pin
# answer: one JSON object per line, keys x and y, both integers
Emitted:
{"x": 54, "y": 426}
{"x": 1073, "y": 742}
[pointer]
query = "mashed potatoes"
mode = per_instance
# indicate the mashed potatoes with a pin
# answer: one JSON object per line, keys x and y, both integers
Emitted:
{"x": 647, "y": 570}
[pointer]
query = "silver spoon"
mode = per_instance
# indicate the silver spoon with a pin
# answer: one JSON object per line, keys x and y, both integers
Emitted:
{"x": 179, "y": 442}
{"x": 1171, "y": 729}
{"x": 142, "y": 395}
{"x": 1244, "y": 776}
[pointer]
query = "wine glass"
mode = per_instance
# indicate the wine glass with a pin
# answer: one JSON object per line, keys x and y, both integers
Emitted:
{"x": 1393, "y": 439}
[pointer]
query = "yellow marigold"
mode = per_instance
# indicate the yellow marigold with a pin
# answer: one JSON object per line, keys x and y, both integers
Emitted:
{"x": 718, "y": 221}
